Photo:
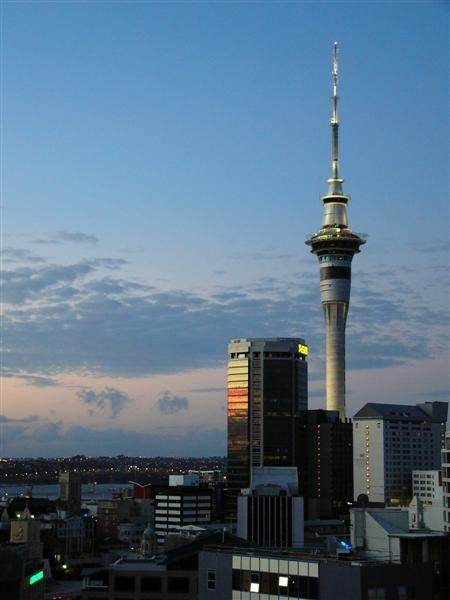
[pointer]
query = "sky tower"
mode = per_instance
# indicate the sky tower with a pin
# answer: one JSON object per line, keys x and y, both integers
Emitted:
{"x": 335, "y": 245}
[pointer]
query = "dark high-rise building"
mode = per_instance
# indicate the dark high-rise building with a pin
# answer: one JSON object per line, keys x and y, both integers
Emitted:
{"x": 335, "y": 245}
{"x": 267, "y": 388}
{"x": 70, "y": 491}
{"x": 325, "y": 463}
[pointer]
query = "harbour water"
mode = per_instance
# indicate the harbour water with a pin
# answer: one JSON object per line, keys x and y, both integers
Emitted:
{"x": 100, "y": 491}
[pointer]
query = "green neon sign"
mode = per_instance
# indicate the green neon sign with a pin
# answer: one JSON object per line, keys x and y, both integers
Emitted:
{"x": 36, "y": 577}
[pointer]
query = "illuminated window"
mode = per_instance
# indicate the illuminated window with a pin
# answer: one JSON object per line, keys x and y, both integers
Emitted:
{"x": 254, "y": 582}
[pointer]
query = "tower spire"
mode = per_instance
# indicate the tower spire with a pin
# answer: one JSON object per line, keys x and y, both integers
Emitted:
{"x": 335, "y": 183}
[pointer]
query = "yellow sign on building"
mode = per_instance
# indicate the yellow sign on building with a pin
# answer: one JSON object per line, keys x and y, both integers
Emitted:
{"x": 303, "y": 349}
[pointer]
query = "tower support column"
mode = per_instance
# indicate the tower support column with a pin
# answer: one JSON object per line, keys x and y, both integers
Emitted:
{"x": 335, "y": 318}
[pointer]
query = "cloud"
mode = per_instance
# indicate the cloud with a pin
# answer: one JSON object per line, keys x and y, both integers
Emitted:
{"x": 108, "y": 262}
{"x": 170, "y": 405}
{"x": 52, "y": 281}
{"x": 74, "y": 237}
{"x": 18, "y": 255}
{"x": 64, "y": 318}
{"x": 54, "y": 439}
{"x": 30, "y": 419}
{"x": 39, "y": 381}
{"x": 264, "y": 254}
{"x": 27, "y": 283}
{"x": 116, "y": 286}
{"x": 433, "y": 395}
{"x": 432, "y": 247}
{"x": 34, "y": 380}
{"x": 108, "y": 399}
{"x": 207, "y": 390}
{"x": 47, "y": 432}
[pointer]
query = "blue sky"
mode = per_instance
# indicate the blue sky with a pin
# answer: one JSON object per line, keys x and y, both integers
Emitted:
{"x": 162, "y": 165}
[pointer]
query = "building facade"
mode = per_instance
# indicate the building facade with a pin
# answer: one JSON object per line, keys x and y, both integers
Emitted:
{"x": 258, "y": 574}
{"x": 22, "y": 575}
{"x": 140, "y": 579}
{"x": 271, "y": 513}
{"x": 70, "y": 491}
{"x": 325, "y": 463}
{"x": 427, "y": 486}
{"x": 179, "y": 506}
{"x": 392, "y": 440}
{"x": 267, "y": 389}
{"x": 446, "y": 481}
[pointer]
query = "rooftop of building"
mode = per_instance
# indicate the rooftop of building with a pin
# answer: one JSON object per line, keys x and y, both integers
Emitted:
{"x": 183, "y": 490}
{"x": 427, "y": 411}
{"x": 138, "y": 564}
{"x": 395, "y": 523}
{"x": 317, "y": 555}
{"x": 269, "y": 340}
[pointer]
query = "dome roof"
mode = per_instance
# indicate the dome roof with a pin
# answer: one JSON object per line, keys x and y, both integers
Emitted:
{"x": 148, "y": 532}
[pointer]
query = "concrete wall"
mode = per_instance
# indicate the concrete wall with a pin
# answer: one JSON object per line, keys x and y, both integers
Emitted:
{"x": 369, "y": 531}
{"x": 221, "y": 564}
{"x": 368, "y": 451}
{"x": 344, "y": 581}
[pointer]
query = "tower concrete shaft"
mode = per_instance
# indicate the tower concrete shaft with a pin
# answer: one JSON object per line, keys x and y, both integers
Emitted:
{"x": 335, "y": 314}
{"x": 335, "y": 245}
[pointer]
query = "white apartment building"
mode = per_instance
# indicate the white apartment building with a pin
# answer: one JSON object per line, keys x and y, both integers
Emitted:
{"x": 179, "y": 506}
{"x": 427, "y": 486}
{"x": 446, "y": 481}
{"x": 390, "y": 441}
{"x": 190, "y": 478}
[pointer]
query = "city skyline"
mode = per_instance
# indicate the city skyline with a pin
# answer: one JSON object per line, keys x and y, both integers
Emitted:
{"x": 162, "y": 167}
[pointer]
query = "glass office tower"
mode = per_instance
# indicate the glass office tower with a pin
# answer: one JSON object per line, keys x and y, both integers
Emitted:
{"x": 267, "y": 389}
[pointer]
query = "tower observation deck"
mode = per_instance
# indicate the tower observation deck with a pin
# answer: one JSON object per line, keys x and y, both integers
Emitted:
{"x": 335, "y": 245}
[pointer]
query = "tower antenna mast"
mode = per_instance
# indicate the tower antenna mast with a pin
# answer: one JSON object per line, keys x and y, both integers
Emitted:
{"x": 335, "y": 182}
{"x": 335, "y": 118}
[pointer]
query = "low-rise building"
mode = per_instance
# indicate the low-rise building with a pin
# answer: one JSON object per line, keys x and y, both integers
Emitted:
{"x": 179, "y": 506}
{"x": 191, "y": 479}
{"x": 140, "y": 579}
{"x": 227, "y": 573}
{"x": 164, "y": 577}
{"x": 427, "y": 487}
{"x": 21, "y": 573}
{"x": 130, "y": 531}
{"x": 270, "y": 513}
{"x": 400, "y": 535}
